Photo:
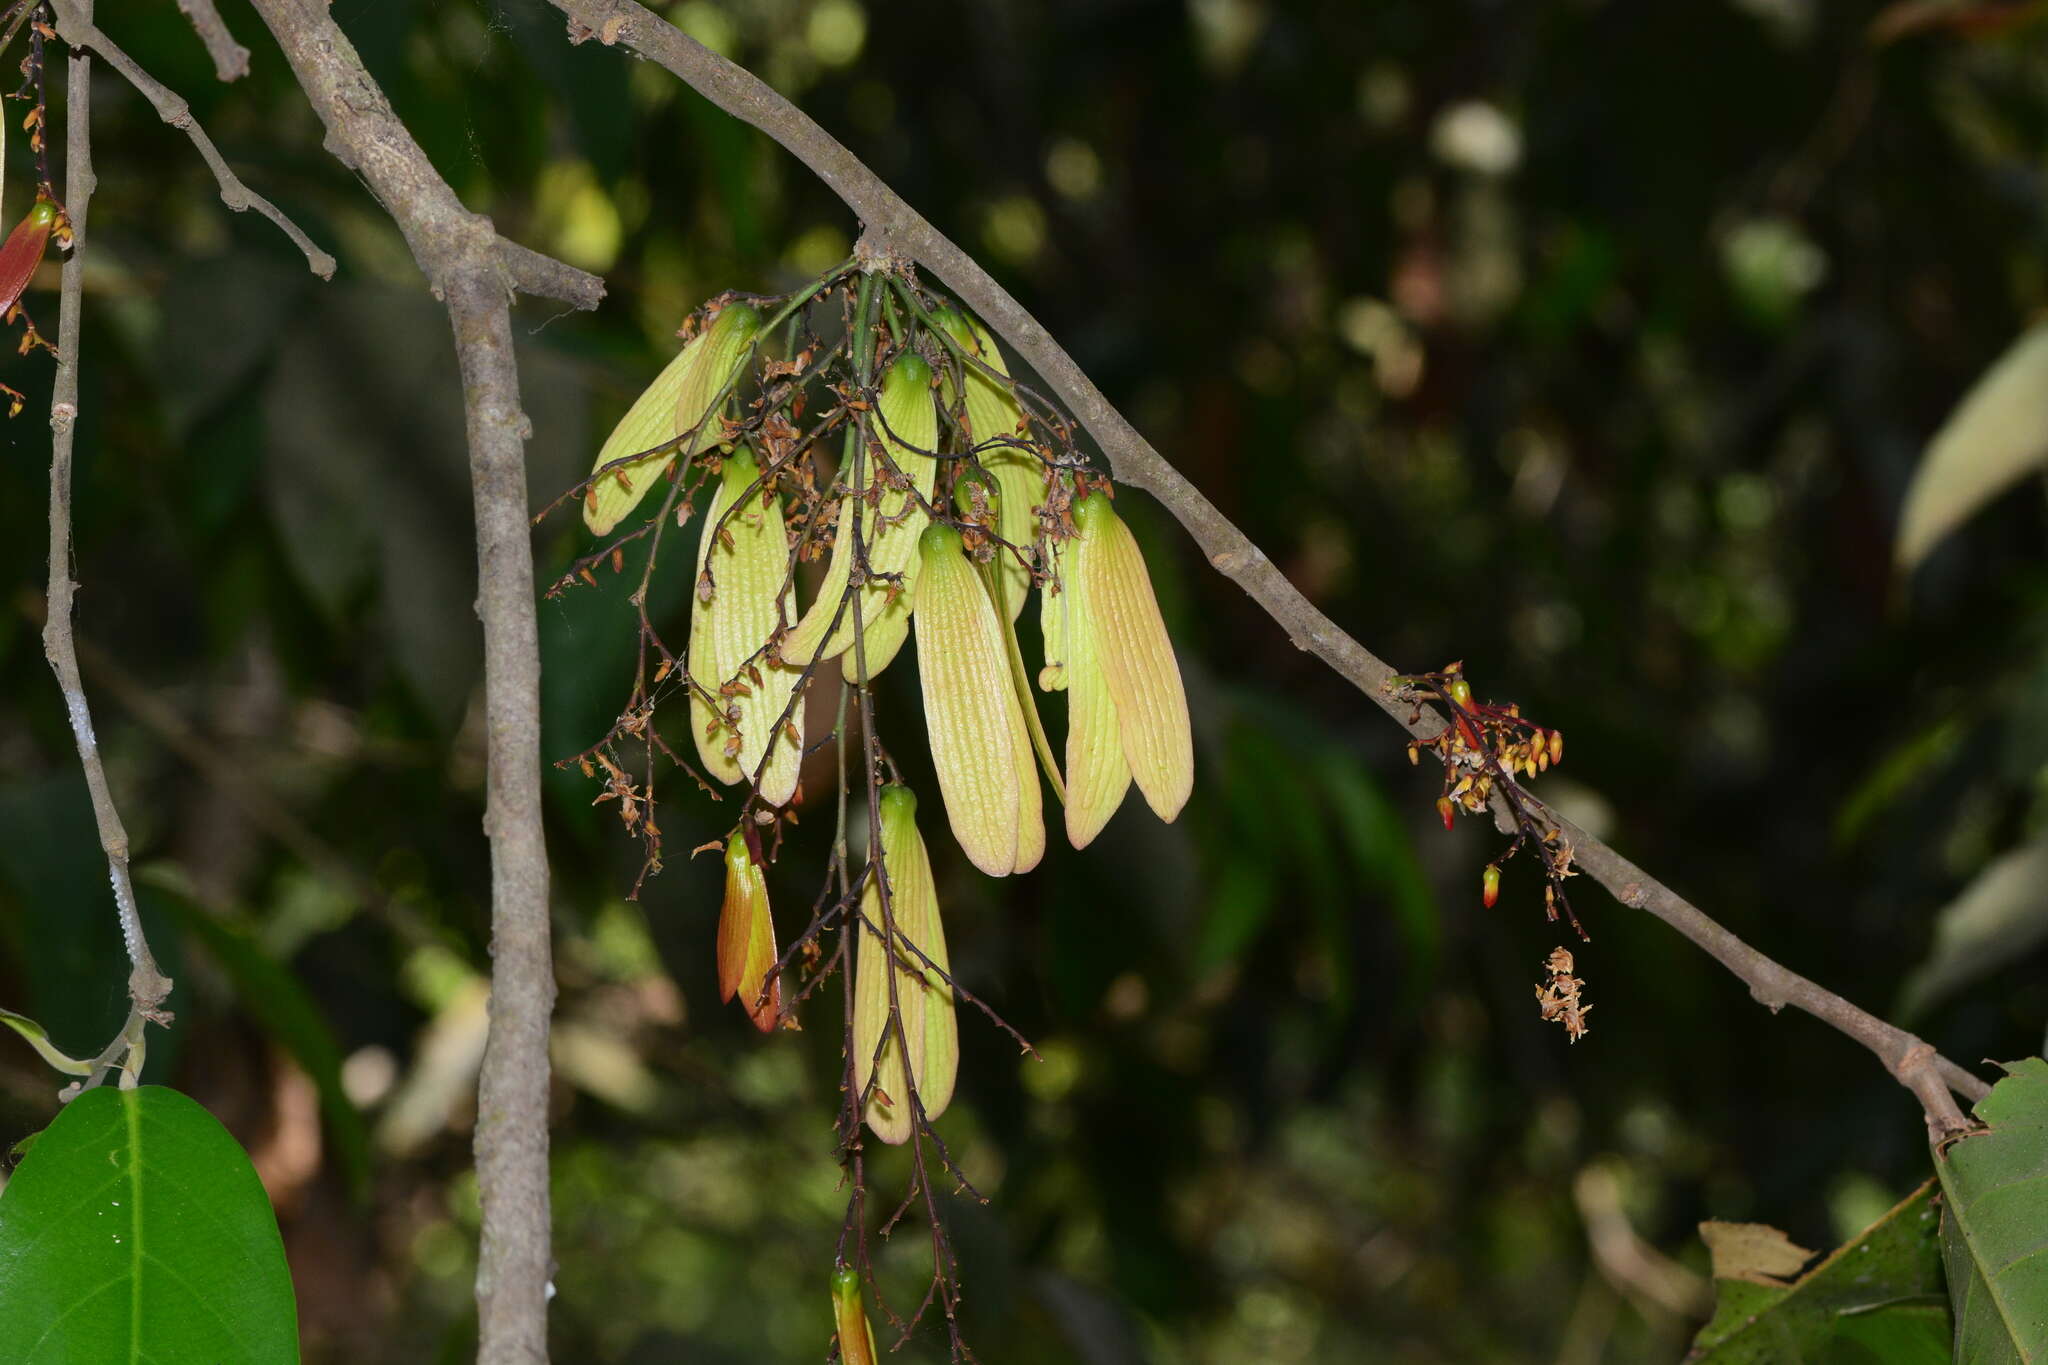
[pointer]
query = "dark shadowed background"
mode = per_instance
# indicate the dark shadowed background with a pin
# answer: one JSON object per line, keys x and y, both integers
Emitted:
{"x": 1590, "y": 343}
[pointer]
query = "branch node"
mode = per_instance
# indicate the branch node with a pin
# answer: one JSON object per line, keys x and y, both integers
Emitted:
{"x": 876, "y": 253}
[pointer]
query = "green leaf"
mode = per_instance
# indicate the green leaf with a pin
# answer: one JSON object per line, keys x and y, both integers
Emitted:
{"x": 136, "y": 1230}
{"x": 40, "y": 1041}
{"x": 1995, "y": 437}
{"x": 276, "y": 1000}
{"x": 1371, "y": 827}
{"x": 1994, "y": 1226}
{"x": 1871, "y": 1300}
{"x": 1895, "y": 775}
{"x": 2001, "y": 915}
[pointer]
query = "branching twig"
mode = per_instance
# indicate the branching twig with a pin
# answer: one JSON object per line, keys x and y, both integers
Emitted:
{"x": 230, "y": 58}
{"x": 148, "y": 987}
{"x": 888, "y": 219}
{"x": 460, "y": 253}
{"x": 75, "y": 26}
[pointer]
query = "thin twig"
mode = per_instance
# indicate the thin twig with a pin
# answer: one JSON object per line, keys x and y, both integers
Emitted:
{"x": 887, "y": 219}
{"x": 230, "y": 58}
{"x": 75, "y": 26}
{"x": 148, "y": 987}
{"x": 460, "y": 254}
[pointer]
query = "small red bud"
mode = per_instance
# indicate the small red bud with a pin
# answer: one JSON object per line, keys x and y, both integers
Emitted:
{"x": 1447, "y": 810}
{"x": 1489, "y": 884}
{"x": 1461, "y": 692}
{"x": 1557, "y": 746}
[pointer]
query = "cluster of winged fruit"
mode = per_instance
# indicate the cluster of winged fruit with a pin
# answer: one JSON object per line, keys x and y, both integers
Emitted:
{"x": 952, "y": 500}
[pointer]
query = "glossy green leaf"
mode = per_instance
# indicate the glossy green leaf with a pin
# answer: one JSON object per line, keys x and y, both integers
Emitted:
{"x": 136, "y": 1230}
{"x": 1870, "y": 1300}
{"x": 1994, "y": 1226}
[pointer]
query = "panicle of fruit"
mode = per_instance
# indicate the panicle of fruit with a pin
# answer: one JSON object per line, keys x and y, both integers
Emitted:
{"x": 682, "y": 402}
{"x": 926, "y": 1051}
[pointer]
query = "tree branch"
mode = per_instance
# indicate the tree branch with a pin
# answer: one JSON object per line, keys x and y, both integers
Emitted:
{"x": 148, "y": 987}
{"x": 230, "y": 58}
{"x": 461, "y": 254}
{"x": 545, "y": 277}
{"x": 1133, "y": 461}
{"x": 75, "y": 26}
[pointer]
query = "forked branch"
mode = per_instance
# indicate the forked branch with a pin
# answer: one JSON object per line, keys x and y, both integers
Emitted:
{"x": 148, "y": 987}
{"x": 75, "y": 26}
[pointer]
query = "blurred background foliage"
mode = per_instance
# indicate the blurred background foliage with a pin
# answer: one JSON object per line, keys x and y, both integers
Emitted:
{"x": 1591, "y": 343}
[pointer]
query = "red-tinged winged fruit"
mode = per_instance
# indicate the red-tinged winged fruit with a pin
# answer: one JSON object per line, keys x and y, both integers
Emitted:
{"x": 926, "y": 1051}
{"x": 980, "y": 745}
{"x": 850, "y": 1319}
{"x": 23, "y": 250}
{"x": 737, "y": 697}
{"x": 746, "y": 937}
{"x": 683, "y": 402}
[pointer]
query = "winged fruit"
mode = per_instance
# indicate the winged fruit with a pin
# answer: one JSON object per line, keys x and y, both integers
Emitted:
{"x": 676, "y": 415}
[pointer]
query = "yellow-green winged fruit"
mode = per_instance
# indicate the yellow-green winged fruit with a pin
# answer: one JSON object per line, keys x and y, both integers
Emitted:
{"x": 890, "y": 526}
{"x": 850, "y": 1319}
{"x": 683, "y": 401}
{"x": 1097, "y": 773}
{"x": 1116, "y": 642}
{"x": 738, "y": 698}
{"x": 746, "y": 937}
{"x": 992, "y": 415}
{"x": 981, "y": 749}
{"x": 929, "y": 1043}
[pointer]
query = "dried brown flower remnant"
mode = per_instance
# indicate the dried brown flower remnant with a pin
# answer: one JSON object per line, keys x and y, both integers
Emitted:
{"x": 1559, "y": 999}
